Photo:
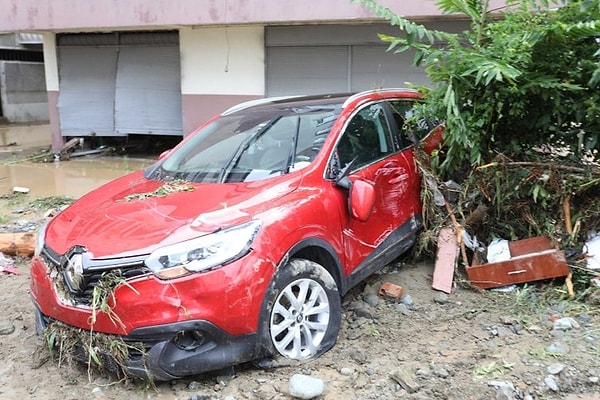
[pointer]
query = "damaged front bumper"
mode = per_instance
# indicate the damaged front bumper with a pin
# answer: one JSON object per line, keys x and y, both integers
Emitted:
{"x": 172, "y": 351}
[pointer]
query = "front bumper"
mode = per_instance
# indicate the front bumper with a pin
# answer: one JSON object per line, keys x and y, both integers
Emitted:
{"x": 174, "y": 350}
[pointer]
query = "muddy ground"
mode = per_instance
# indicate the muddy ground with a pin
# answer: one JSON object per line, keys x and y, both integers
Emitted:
{"x": 465, "y": 345}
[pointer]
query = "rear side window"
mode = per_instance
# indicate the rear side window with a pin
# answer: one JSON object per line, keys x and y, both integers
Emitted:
{"x": 409, "y": 127}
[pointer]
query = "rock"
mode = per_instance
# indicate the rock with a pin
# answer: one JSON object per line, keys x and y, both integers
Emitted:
{"x": 558, "y": 348}
{"x": 564, "y": 324}
{"x": 555, "y": 369}
{"x": 365, "y": 312}
{"x": 306, "y": 387}
{"x": 346, "y": 371}
{"x": 504, "y": 390}
{"x": 551, "y": 383}
{"x": 404, "y": 380}
{"x": 406, "y": 299}
{"x": 441, "y": 298}
{"x": 441, "y": 373}
{"x": 371, "y": 299}
{"x": 535, "y": 329}
{"x": 6, "y": 330}
{"x": 402, "y": 309}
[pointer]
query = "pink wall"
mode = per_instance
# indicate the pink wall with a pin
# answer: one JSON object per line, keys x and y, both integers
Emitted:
{"x": 31, "y": 15}
{"x": 200, "y": 107}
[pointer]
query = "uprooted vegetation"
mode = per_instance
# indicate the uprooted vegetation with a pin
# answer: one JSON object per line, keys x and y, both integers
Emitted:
{"x": 519, "y": 96}
{"x": 101, "y": 352}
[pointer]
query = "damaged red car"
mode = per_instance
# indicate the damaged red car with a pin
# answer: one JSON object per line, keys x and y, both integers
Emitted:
{"x": 238, "y": 243}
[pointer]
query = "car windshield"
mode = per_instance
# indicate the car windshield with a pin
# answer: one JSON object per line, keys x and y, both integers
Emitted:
{"x": 250, "y": 145}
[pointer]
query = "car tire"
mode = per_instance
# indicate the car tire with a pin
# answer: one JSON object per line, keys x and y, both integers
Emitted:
{"x": 301, "y": 313}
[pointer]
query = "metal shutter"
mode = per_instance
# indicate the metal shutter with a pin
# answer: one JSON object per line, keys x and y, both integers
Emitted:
{"x": 148, "y": 91}
{"x": 373, "y": 67}
{"x": 307, "y": 70}
{"x": 119, "y": 83}
{"x": 87, "y": 88}
{"x": 334, "y": 58}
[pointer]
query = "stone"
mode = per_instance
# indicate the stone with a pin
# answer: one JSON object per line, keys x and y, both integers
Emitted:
{"x": 565, "y": 323}
{"x": 346, "y": 371}
{"x": 555, "y": 369}
{"x": 406, "y": 299}
{"x": 405, "y": 381}
{"x": 7, "y": 329}
{"x": 305, "y": 387}
{"x": 558, "y": 348}
{"x": 371, "y": 299}
{"x": 441, "y": 298}
{"x": 551, "y": 383}
{"x": 402, "y": 309}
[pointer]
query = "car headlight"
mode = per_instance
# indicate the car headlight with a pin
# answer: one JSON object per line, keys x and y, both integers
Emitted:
{"x": 40, "y": 239}
{"x": 203, "y": 253}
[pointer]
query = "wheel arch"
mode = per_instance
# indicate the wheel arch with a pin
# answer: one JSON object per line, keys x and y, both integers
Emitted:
{"x": 322, "y": 253}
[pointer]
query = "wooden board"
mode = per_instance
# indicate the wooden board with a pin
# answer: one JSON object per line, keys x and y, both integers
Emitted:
{"x": 447, "y": 252}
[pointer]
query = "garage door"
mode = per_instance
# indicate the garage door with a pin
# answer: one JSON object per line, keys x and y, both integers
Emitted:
{"x": 334, "y": 58}
{"x": 118, "y": 84}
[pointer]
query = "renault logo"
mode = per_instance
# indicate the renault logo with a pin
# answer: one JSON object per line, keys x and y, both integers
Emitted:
{"x": 73, "y": 269}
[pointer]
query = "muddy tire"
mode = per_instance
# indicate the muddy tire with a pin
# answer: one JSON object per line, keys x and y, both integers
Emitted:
{"x": 301, "y": 314}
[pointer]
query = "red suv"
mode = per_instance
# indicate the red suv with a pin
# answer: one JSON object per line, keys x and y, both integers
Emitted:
{"x": 238, "y": 243}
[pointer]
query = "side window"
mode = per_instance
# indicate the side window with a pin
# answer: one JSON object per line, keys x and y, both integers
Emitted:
{"x": 409, "y": 127}
{"x": 366, "y": 138}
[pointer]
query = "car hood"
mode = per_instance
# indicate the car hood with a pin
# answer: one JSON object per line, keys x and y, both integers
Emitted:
{"x": 130, "y": 216}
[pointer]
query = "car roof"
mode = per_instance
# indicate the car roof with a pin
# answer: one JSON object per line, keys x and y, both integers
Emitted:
{"x": 344, "y": 98}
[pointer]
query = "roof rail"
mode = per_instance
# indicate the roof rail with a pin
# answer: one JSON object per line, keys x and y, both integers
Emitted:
{"x": 257, "y": 102}
{"x": 359, "y": 94}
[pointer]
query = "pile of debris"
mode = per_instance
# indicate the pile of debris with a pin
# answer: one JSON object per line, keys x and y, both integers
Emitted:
{"x": 538, "y": 220}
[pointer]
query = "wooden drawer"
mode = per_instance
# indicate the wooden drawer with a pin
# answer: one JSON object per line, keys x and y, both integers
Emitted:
{"x": 531, "y": 260}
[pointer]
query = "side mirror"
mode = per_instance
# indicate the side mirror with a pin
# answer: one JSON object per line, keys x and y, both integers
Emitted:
{"x": 164, "y": 154}
{"x": 361, "y": 200}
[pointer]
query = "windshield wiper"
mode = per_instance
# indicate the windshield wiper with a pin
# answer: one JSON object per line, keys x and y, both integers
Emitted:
{"x": 242, "y": 148}
{"x": 292, "y": 153}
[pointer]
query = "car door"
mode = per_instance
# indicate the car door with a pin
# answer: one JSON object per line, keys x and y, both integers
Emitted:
{"x": 370, "y": 143}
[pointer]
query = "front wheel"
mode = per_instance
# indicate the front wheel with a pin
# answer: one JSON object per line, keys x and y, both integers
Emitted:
{"x": 303, "y": 312}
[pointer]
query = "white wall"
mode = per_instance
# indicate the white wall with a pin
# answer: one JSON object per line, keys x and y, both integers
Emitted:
{"x": 50, "y": 61}
{"x": 223, "y": 61}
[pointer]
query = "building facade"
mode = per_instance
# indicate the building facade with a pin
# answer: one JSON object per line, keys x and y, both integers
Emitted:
{"x": 162, "y": 67}
{"x": 23, "y": 96}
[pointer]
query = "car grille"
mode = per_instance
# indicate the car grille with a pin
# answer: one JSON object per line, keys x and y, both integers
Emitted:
{"x": 93, "y": 273}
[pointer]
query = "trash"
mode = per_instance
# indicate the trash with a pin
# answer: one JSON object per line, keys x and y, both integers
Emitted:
{"x": 390, "y": 290}
{"x": 10, "y": 270}
{"x": 20, "y": 189}
{"x": 498, "y": 251}
{"x": 530, "y": 260}
{"x": 7, "y": 265}
{"x": 505, "y": 289}
{"x": 592, "y": 249}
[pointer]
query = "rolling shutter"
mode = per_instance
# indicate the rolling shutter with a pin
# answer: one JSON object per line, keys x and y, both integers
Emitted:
{"x": 115, "y": 84}
{"x": 87, "y": 88}
{"x": 334, "y": 58}
{"x": 148, "y": 91}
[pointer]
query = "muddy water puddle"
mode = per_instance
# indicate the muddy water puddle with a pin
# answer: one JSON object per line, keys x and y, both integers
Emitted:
{"x": 72, "y": 178}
